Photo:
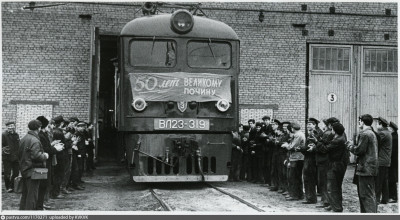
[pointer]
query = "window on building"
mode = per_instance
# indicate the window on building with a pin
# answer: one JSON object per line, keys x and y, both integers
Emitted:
{"x": 380, "y": 60}
{"x": 331, "y": 58}
{"x": 209, "y": 54}
{"x": 153, "y": 53}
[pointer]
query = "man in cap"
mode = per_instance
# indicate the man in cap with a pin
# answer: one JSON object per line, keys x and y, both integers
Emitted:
{"x": 79, "y": 154}
{"x": 258, "y": 156}
{"x": 384, "y": 159}
{"x": 31, "y": 155}
{"x": 58, "y": 121}
{"x": 296, "y": 159}
{"x": 252, "y": 160}
{"x": 367, "y": 168}
{"x": 51, "y": 149}
{"x": 244, "y": 172}
{"x": 267, "y": 149}
{"x": 336, "y": 150}
{"x": 394, "y": 165}
{"x": 310, "y": 166}
{"x": 322, "y": 160}
{"x": 273, "y": 142}
{"x": 9, "y": 147}
{"x": 283, "y": 158}
{"x": 236, "y": 156}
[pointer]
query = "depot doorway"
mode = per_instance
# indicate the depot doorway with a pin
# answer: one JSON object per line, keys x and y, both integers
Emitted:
{"x": 108, "y": 144}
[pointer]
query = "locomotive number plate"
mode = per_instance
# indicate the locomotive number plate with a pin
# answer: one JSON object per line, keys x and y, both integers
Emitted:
{"x": 181, "y": 124}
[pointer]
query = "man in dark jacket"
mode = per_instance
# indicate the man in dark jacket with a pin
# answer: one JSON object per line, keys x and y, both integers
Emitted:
{"x": 384, "y": 157}
{"x": 367, "y": 167}
{"x": 394, "y": 169}
{"x": 274, "y": 146}
{"x": 9, "y": 147}
{"x": 258, "y": 153}
{"x": 51, "y": 149}
{"x": 267, "y": 149}
{"x": 244, "y": 172}
{"x": 336, "y": 150}
{"x": 321, "y": 158}
{"x": 310, "y": 166}
{"x": 79, "y": 154}
{"x": 31, "y": 155}
{"x": 236, "y": 160}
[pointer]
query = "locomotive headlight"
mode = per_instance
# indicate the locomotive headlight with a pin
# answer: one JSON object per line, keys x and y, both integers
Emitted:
{"x": 139, "y": 104}
{"x": 182, "y": 21}
{"x": 222, "y": 105}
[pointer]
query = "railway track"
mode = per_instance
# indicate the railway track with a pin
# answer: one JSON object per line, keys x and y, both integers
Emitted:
{"x": 167, "y": 207}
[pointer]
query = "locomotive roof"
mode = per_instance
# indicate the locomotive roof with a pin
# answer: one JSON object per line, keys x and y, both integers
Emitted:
{"x": 159, "y": 25}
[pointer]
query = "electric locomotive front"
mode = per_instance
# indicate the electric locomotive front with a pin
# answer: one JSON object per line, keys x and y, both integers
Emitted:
{"x": 178, "y": 97}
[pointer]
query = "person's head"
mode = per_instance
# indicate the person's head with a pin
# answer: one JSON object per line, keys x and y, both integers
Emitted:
{"x": 81, "y": 126}
{"x": 382, "y": 123}
{"x": 34, "y": 125}
{"x": 252, "y": 123}
{"x": 44, "y": 121}
{"x": 316, "y": 121}
{"x": 365, "y": 121}
{"x": 279, "y": 130}
{"x": 296, "y": 127}
{"x": 58, "y": 121}
{"x": 258, "y": 126}
{"x": 285, "y": 126}
{"x": 338, "y": 128}
{"x": 331, "y": 121}
{"x": 240, "y": 127}
{"x": 10, "y": 127}
{"x": 276, "y": 124}
{"x": 311, "y": 125}
{"x": 266, "y": 120}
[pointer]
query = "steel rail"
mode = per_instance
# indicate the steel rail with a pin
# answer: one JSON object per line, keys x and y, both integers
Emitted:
{"x": 235, "y": 197}
{"x": 162, "y": 203}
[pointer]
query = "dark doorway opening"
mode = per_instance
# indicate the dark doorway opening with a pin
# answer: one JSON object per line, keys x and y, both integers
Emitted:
{"x": 108, "y": 146}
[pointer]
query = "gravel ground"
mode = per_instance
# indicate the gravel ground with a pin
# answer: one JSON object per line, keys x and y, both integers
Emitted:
{"x": 110, "y": 189}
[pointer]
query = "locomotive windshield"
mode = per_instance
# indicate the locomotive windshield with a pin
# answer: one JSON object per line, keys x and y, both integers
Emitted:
{"x": 159, "y": 53}
{"x": 209, "y": 54}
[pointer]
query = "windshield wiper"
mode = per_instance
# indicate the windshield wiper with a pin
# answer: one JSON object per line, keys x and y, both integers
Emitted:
{"x": 209, "y": 46}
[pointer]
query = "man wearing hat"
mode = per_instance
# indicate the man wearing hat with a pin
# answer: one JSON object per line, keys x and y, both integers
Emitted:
{"x": 284, "y": 159}
{"x": 273, "y": 142}
{"x": 10, "y": 146}
{"x": 51, "y": 149}
{"x": 244, "y": 171}
{"x": 267, "y": 149}
{"x": 58, "y": 121}
{"x": 296, "y": 159}
{"x": 257, "y": 155}
{"x": 384, "y": 159}
{"x": 394, "y": 169}
{"x": 336, "y": 150}
{"x": 310, "y": 166}
{"x": 31, "y": 155}
{"x": 321, "y": 158}
{"x": 367, "y": 166}
{"x": 78, "y": 156}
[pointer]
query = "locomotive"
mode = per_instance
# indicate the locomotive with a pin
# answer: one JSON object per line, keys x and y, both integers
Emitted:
{"x": 177, "y": 97}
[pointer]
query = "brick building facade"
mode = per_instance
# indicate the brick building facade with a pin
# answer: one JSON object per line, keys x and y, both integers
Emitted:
{"x": 47, "y": 51}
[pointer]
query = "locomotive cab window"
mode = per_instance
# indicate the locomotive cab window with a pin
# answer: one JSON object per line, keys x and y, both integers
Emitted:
{"x": 154, "y": 53}
{"x": 209, "y": 54}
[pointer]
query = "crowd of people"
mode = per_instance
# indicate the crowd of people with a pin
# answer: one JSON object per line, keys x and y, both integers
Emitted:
{"x": 300, "y": 166}
{"x": 51, "y": 159}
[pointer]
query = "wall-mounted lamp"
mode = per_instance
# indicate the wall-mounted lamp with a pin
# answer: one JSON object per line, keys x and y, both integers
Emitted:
{"x": 261, "y": 16}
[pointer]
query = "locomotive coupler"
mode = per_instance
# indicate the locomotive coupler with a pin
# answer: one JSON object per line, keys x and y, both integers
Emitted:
{"x": 155, "y": 158}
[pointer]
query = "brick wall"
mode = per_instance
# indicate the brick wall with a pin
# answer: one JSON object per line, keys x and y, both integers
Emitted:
{"x": 46, "y": 52}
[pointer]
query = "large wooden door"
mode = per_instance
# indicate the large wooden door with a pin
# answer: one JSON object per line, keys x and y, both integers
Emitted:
{"x": 379, "y": 82}
{"x": 331, "y": 79}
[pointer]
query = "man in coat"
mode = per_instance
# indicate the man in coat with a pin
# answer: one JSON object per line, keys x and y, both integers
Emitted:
{"x": 367, "y": 168}
{"x": 9, "y": 146}
{"x": 336, "y": 150}
{"x": 31, "y": 155}
{"x": 384, "y": 160}
{"x": 296, "y": 160}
